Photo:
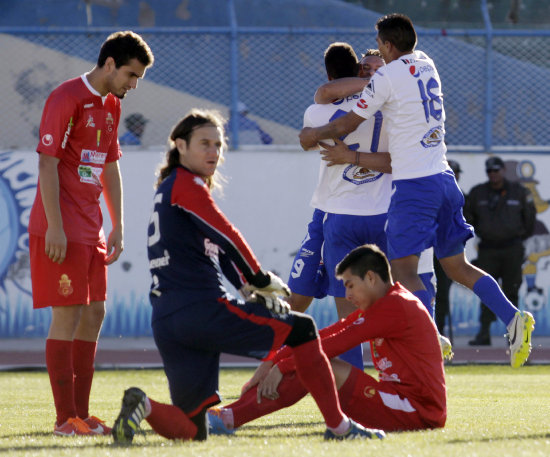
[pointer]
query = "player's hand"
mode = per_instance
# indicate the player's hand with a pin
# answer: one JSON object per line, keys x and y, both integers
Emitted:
{"x": 336, "y": 154}
{"x": 55, "y": 245}
{"x": 115, "y": 246}
{"x": 308, "y": 138}
{"x": 271, "y": 301}
{"x": 268, "y": 386}
{"x": 276, "y": 287}
{"x": 259, "y": 375}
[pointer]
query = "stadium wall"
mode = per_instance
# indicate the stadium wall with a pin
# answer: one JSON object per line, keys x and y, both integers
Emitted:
{"x": 267, "y": 197}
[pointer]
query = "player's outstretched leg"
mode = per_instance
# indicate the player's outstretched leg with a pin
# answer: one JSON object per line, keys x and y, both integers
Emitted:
{"x": 131, "y": 414}
{"x": 354, "y": 432}
{"x": 519, "y": 334}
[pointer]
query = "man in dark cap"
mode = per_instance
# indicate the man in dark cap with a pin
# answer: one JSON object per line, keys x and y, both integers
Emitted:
{"x": 503, "y": 215}
{"x": 135, "y": 124}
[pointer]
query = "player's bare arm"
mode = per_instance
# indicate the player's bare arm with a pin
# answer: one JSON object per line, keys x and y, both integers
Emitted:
{"x": 339, "y": 88}
{"x": 112, "y": 184}
{"x": 339, "y": 154}
{"x": 55, "y": 241}
{"x": 310, "y": 137}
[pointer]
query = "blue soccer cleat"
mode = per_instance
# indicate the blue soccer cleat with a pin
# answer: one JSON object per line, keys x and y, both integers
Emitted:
{"x": 356, "y": 432}
{"x": 215, "y": 423}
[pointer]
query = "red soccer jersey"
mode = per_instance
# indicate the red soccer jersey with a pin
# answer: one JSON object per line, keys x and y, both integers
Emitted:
{"x": 79, "y": 127}
{"x": 404, "y": 345}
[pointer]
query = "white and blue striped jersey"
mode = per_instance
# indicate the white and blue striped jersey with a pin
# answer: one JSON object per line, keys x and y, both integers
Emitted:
{"x": 408, "y": 91}
{"x": 349, "y": 189}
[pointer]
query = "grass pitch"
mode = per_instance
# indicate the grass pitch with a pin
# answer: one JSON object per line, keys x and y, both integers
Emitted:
{"x": 492, "y": 411}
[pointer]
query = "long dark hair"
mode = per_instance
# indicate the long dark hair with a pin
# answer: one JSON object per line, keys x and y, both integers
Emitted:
{"x": 184, "y": 130}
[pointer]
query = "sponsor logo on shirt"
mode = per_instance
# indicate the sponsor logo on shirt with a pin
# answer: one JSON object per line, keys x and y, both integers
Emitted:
{"x": 362, "y": 104}
{"x": 349, "y": 98}
{"x": 89, "y": 175}
{"x": 88, "y": 105}
{"x": 67, "y": 133}
{"x": 384, "y": 364}
{"x": 210, "y": 249}
{"x": 47, "y": 140}
{"x": 160, "y": 262}
{"x": 433, "y": 137}
{"x": 89, "y": 156}
{"x": 90, "y": 122}
{"x": 417, "y": 71}
{"x": 65, "y": 287}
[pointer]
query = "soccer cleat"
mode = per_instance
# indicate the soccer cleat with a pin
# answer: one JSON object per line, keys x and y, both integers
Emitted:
{"x": 72, "y": 427}
{"x": 519, "y": 335}
{"x": 130, "y": 416}
{"x": 446, "y": 347}
{"x": 356, "y": 432}
{"x": 97, "y": 426}
{"x": 215, "y": 423}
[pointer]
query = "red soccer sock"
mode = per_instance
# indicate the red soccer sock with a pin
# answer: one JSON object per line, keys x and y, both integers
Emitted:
{"x": 316, "y": 375}
{"x": 170, "y": 422}
{"x": 83, "y": 364}
{"x": 247, "y": 408}
{"x": 59, "y": 361}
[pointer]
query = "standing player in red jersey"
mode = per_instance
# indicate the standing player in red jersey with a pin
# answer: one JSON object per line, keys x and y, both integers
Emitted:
{"x": 410, "y": 393}
{"x": 79, "y": 154}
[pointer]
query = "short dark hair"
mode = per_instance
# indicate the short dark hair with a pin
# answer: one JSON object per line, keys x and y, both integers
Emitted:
{"x": 340, "y": 61}
{"x": 372, "y": 52}
{"x": 365, "y": 258}
{"x": 398, "y": 29}
{"x": 123, "y": 47}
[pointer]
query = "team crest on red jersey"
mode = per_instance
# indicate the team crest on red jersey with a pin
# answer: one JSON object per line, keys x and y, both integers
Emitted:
{"x": 369, "y": 392}
{"x": 65, "y": 287}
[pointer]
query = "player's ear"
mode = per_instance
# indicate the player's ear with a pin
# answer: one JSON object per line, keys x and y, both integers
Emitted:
{"x": 181, "y": 145}
{"x": 109, "y": 64}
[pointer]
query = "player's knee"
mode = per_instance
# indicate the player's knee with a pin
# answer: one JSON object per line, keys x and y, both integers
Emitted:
{"x": 303, "y": 330}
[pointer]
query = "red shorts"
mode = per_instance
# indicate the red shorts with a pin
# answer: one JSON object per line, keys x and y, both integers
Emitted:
{"x": 80, "y": 279}
{"x": 375, "y": 404}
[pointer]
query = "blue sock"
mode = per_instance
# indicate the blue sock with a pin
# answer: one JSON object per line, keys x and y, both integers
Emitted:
{"x": 489, "y": 292}
{"x": 426, "y": 298}
{"x": 354, "y": 356}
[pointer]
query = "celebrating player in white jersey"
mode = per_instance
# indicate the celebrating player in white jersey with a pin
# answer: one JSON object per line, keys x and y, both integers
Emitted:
{"x": 426, "y": 203}
{"x": 351, "y": 200}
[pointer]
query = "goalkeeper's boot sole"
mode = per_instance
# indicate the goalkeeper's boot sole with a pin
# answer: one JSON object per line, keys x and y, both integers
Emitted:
{"x": 130, "y": 416}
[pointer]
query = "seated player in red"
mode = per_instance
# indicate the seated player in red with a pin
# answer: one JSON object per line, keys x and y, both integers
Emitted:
{"x": 410, "y": 393}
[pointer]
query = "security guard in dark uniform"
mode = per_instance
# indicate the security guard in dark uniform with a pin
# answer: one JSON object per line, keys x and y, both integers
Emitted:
{"x": 503, "y": 215}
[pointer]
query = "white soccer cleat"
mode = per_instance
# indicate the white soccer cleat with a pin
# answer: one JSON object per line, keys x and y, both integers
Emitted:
{"x": 446, "y": 347}
{"x": 519, "y": 335}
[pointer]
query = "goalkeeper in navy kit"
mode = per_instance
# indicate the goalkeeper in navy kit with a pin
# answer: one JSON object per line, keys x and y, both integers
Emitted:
{"x": 191, "y": 244}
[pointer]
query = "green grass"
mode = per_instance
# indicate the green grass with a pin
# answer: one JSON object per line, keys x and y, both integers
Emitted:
{"x": 492, "y": 411}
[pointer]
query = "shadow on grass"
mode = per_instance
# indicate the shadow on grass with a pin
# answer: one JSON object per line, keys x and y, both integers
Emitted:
{"x": 470, "y": 439}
